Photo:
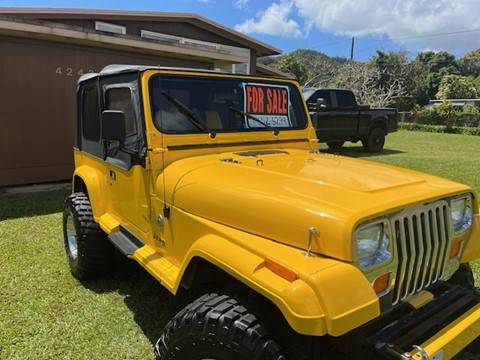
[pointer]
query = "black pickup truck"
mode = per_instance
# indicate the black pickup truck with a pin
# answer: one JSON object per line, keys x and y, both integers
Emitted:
{"x": 338, "y": 118}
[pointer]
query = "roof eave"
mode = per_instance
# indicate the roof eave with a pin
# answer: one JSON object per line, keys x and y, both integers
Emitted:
{"x": 260, "y": 47}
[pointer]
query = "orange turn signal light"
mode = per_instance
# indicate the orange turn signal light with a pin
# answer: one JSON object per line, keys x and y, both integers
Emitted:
{"x": 455, "y": 250}
{"x": 281, "y": 270}
{"x": 381, "y": 283}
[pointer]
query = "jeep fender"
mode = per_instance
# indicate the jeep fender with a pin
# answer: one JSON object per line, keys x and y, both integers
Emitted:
{"x": 471, "y": 252}
{"x": 92, "y": 181}
{"x": 319, "y": 302}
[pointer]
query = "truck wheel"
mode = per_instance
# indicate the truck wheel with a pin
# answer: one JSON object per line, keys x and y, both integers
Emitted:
{"x": 375, "y": 141}
{"x": 335, "y": 145}
{"x": 88, "y": 250}
{"x": 463, "y": 277}
{"x": 216, "y": 327}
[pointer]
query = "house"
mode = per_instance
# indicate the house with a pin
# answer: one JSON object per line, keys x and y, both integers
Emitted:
{"x": 44, "y": 52}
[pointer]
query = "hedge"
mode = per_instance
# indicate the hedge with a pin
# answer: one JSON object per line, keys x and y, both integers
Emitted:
{"x": 440, "y": 129}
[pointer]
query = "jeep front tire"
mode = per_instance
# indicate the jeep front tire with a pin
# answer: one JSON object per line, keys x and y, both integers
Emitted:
{"x": 89, "y": 252}
{"x": 216, "y": 327}
{"x": 464, "y": 277}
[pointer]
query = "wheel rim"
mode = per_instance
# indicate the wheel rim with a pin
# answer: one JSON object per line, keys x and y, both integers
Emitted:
{"x": 71, "y": 237}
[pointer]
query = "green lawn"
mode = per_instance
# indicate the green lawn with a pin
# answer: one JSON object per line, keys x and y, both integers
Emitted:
{"x": 46, "y": 314}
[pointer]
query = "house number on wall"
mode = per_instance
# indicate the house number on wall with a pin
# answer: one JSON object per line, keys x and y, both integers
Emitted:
{"x": 68, "y": 71}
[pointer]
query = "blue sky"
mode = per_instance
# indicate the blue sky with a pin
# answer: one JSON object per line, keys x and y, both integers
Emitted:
{"x": 409, "y": 25}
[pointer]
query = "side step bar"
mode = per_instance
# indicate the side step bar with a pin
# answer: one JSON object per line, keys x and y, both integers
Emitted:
{"x": 401, "y": 337}
{"x": 125, "y": 241}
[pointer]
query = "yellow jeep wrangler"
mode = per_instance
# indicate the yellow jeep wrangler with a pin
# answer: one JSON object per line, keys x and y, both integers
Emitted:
{"x": 214, "y": 183}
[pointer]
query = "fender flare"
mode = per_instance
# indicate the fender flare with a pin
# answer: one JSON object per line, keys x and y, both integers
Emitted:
{"x": 310, "y": 305}
{"x": 93, "y": 183}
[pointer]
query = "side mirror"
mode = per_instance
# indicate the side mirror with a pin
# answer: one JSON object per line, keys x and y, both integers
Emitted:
{"x": 321, "y": 104}
{"x": 113, "y": 126}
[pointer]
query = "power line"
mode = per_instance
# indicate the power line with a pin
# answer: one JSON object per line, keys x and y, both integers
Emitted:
{"x": 364, "y": 49}
{"x": 435, "y": 35}
{"x": 426, "y": 36}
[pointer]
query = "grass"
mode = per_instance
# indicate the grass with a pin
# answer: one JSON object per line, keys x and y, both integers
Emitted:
{"x": 46, "y": 314}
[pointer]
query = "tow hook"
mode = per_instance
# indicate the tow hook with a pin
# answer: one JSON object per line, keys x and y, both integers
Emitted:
{"x": 408, "y": 355}
{"x": 422, "y": 352}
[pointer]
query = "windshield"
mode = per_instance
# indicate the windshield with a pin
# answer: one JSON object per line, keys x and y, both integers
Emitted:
{"x": 218, "y": 104}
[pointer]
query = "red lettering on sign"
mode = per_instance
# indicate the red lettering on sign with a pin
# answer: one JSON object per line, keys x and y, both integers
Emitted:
{"x": 249, "y": 99}
{"x": 266, "y": 100}
{"x": 275, "y": 102}
{"x": 269, "y": 101}
{"x": 285, "y": 102}
{"x": 261, "y": 101}
{"x": 255, "y": 99}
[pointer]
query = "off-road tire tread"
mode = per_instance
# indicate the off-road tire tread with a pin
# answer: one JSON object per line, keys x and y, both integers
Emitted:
{"x": 217, "y": 319}
{"x": 464, "y": 276}
{"x": 95, "y": 252}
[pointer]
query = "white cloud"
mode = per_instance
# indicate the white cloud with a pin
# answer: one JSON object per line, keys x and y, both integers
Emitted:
{"x": 408, "y": 22}
{"x": 273, "y": 21}
{"x": 241, "y": 4}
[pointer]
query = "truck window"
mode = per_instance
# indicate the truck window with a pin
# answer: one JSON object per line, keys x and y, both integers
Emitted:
{"x": 121, "y": 99}
{"x": 322, "y": 94}
{"x": 345, "y": 99}
{"x": 90, "y": 123}
{"x": 279, "y": 105}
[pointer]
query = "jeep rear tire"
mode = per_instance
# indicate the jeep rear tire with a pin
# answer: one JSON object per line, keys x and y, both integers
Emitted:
{"x": 375, "y": 141}
{"x": 89, "y": 252}
{"x": 335, "y": 145}
{"x": 216, "y": 327}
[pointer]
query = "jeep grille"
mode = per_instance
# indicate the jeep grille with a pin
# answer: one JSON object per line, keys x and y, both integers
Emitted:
{"x": 422, "y": 237}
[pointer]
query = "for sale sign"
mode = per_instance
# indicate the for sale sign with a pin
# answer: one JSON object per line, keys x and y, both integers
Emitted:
{"x": 268, "y": 103}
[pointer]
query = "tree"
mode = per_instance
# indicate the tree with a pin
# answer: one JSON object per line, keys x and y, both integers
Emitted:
{"x": 292, "y": 65}
{"x": 443, "y": 60}
{"x": 391, "y": 65}
{"x": 425, "y": 57}
{"x": 470, "y": 63}
{"x": 395, "y": 69}
{"x": 433, "y": 80}
{"x": 312, "y": 68}
{"x": 456, "y": 87}
{"x": 416, "y": 84}
{"x": 365, "y": 81}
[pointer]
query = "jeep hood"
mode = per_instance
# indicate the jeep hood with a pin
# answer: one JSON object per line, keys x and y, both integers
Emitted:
{"x": 280, "y": 194}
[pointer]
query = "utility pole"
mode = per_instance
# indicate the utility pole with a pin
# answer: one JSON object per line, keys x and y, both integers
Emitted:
{"x": 352, "y": 48}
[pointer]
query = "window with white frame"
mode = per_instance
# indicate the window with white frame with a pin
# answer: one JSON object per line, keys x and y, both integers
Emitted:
{"x": 111, "y": 28}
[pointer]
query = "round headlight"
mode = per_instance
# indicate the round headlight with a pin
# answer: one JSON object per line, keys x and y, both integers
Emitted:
{"x": 462, "y": 214}
{"x": 372, "y": 245}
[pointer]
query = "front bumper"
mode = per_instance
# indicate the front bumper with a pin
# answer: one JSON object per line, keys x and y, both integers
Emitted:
{"x": 437, "y": 331}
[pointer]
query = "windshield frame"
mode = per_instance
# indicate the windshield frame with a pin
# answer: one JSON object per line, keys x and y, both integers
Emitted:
{"x": 217, "y": 76}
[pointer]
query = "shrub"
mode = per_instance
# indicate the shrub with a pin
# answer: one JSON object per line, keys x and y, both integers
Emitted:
{"x": 426, "y": 115}
{"x": 440, "y": 129}
{"x": 448, "y": 115}
{"x": 470, "y": 116}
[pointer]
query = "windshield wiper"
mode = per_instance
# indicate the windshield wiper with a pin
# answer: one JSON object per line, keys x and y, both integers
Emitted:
{"x": 185, "y": 110}
{"x": 265, "y": 125}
